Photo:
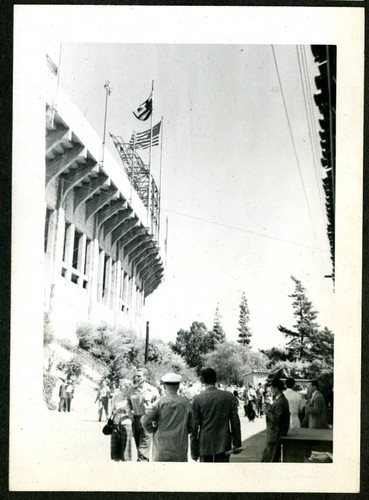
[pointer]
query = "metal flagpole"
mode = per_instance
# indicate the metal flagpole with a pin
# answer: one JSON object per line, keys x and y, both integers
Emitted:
{"x": 160, "y": 178}
{"x": 150, "y": 159}
{"x": 166, "y": 243}
{"x": 133, "y": 166}
{"x": 57, "y": 87}
{"x": 108, "y": 92}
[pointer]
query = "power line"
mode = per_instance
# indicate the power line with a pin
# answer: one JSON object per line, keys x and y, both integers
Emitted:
{"x": 313, "y": 135}
{"x": 241, "y": 229}
{"x": 293, "y": 142}
{"x": 309, "y": 116}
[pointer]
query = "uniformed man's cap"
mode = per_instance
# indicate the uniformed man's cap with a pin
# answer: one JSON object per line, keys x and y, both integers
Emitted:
{"x": 171, "y": 378}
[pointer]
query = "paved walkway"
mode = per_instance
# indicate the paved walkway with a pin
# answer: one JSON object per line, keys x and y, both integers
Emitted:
{"x": 77, "y": 435}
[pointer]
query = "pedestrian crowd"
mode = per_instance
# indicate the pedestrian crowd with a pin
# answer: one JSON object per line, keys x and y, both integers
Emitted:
{"x": 168, "y": 423}
{"x": 200, "y": 419}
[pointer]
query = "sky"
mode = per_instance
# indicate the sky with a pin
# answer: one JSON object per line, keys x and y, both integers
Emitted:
{"x": 241, "y": 173}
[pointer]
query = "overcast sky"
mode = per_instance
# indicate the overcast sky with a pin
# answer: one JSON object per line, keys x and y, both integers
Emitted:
{"x": 240, "y": 182}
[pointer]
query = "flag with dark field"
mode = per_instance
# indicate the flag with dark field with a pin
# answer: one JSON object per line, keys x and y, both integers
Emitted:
{"x": 142, "y": 139}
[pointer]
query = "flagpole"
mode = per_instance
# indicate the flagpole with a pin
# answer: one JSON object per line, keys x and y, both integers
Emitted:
{"x": 149, "y": 224}
{"x": 166, "y": 242}
{"x": 57, "y": 87}
{"x": 108, "y": 92}
{"x": 160, "y": 177}
{"x": 133, "y": 167}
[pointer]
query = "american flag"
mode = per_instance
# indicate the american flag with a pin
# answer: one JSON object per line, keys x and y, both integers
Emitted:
{"x": 144, "y": 110}
{"x": 142, "y": 139}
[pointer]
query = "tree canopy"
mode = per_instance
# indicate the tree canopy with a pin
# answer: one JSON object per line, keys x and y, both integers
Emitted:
{"x": 306, "y": 330}
{"x": 244, "y": 336}
{"x": 231, "y": 363}
{"x": 217, "y": 334}
{"x": 193, "y": 344}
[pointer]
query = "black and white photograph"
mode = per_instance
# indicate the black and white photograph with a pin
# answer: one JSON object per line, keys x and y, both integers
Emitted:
{"x": 186, "y": 279}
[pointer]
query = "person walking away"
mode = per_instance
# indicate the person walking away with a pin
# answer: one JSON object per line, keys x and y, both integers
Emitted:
{"x": 140, "y": 398}
{"x": 62, "y": 396}
{"x": 121, "y": 437}
{"x": 250, "y": 411}
{"x": 235, "y": 394}
{"x": 69, "y": 393}
{"x": 217, "y": 427}
{"x": 296, "y": 403}
{"x": 252, "y": 398}
{"x": 260, "y": 399}
{"x": 170, "y": 420}
{"x": 316, "y": 408}
{"x": 278, "y": 420}
{"x": 103, "y": 399}
{"x": 245, "y": 398}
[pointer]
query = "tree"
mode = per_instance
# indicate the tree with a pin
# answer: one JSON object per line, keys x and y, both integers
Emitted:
{"x": 244, "y": 329}
{"x": 71, "y": 368}
{"x": 231, "y": 363}
{"x": 302, "y": 338}
{"x": 193, "y": 344}
{"x": 322, "y": 346}
{"x": 217, "y": 335}
{"x": 276, "y": 354}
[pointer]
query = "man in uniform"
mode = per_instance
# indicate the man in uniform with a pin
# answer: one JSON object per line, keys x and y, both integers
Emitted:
{"x": 140, "y": 398}
{"x": 170, "y": 419}
{"x": 217, "y": 424}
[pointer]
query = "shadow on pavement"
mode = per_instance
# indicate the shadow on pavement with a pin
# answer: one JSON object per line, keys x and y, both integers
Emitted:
{"x": 254, "y": 447}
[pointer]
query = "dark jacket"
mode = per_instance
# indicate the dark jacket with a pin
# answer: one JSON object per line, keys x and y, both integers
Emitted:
{"x": 278, "y": 419}
{"x": 216, "y": 423}
{"x": 316, "y": 410}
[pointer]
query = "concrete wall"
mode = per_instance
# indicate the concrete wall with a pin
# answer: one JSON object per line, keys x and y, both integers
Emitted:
{"x": 90, "y": 253}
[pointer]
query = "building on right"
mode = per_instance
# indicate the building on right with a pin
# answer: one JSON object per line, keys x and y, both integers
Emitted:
{"x": 325, "y": 99}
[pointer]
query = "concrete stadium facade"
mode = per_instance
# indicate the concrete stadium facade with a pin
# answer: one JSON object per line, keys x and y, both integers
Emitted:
{"x": 101, "y": 258}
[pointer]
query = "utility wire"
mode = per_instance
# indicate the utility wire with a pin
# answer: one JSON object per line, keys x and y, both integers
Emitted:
{"x": 241, "y": 229}
{"x": 310, "y": 120}
{"x": 293, "y": 142}
{"x": 306, "y": 88}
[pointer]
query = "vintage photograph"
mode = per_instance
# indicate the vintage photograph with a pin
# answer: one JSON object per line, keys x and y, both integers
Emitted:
{"x": 188, "y": 248}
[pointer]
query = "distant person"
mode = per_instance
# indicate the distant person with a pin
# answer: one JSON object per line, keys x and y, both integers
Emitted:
{"x": 251, "y": 402}
{"x": 69, "y": 389}
{"x": 316, "y": 408}
{"x": 245, "y": 398}
{"x": 114, "y": 389}
{"x": 140, "y": 397}
{"x": 278, "y": 420}
{"x": 260, "y": 393}
{"x": 170, "y": 420}
{"x": 62, "y": 396}
{"x": 102, "y": 397}
{"x": 250, "y": 411}
{"x": 296, "y": 403}
{"x": 121, "y": 437}
{"x": 217, "y": 427}
{"x": 235, "y": 394}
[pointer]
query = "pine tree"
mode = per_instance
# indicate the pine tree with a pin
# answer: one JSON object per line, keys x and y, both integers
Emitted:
{"x": 302, "y": 339}
{"x": 217, "y": 335}
{"x": 244, "y": 329}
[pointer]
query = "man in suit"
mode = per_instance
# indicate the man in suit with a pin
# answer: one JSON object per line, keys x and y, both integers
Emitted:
{"x": 316, "y": 408}
{"x": 217, "y": 425}
{"x": 278, "y": 421}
